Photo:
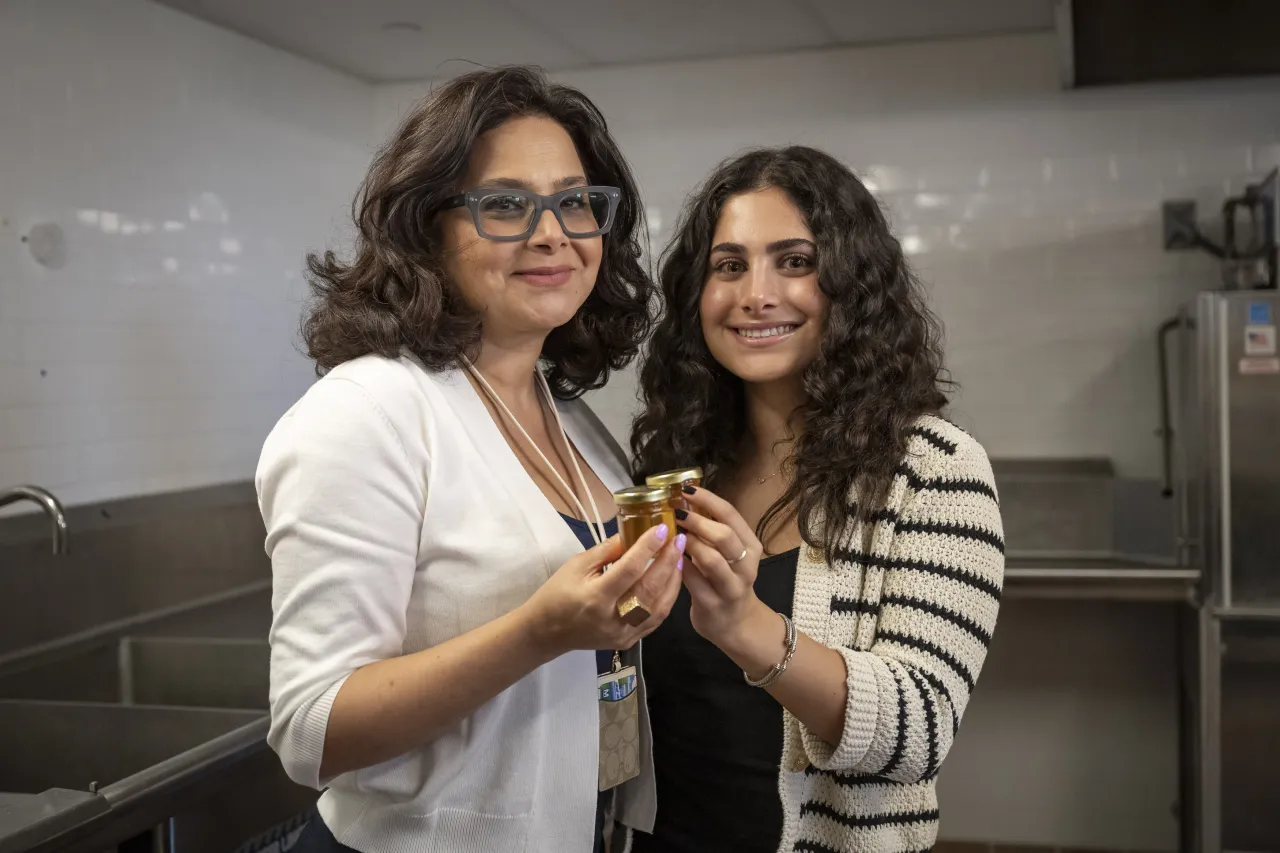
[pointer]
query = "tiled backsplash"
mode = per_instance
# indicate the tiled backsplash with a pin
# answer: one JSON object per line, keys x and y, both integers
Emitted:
{"x": 190, "y": 170}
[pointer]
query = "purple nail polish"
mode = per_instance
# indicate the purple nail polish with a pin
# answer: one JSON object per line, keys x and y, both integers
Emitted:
{"x": 680, "y": 565}
{"x": 681, "y": 540}
{"x": 663, "y": 531}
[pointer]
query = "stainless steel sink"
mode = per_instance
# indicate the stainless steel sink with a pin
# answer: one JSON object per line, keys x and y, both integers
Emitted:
{"x": 150, "y": 671}
{"x": 77, "y": 744}
{"x": 165, "y": 711}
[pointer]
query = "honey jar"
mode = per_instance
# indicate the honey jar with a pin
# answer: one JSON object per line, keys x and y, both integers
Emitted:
{"x": 674, "y": 482}
{"x": 639, "y": 509}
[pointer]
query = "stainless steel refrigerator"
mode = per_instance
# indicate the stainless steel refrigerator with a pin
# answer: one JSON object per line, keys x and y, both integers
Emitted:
{"x": 1224, "y": 464}
{"x": 1232, "y": 448}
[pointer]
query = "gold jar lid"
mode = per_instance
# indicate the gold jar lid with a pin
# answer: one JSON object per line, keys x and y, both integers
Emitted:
{"x": 639, "y": 495}
{"x": 674, "y": 478}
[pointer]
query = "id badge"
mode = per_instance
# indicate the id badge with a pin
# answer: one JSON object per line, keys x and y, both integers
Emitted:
{"x": 619, "y": 726}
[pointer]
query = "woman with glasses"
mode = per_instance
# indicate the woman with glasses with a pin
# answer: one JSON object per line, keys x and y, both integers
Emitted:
{"x": 438, "y": 505}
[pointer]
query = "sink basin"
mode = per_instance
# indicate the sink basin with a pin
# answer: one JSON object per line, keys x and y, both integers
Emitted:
{"x": 74, "y": 744}
{"x": 196, "y": 673}
{"x": 166, "y": 714}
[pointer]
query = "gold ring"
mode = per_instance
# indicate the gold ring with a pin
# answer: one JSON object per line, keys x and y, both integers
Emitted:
{"x": 740, "y": 558}
{"x": 632, "y": 611}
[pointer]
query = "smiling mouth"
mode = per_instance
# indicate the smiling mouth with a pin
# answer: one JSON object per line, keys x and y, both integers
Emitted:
{"x": 546, "y": 276}
{"x": 767, "y": 333}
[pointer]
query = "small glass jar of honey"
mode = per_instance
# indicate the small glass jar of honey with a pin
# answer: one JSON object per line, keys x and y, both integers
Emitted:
{"x": 674, "y": 482}
{"x": 639, "y": 509}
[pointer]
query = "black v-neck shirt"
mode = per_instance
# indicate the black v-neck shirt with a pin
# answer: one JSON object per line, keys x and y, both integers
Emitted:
{"x": 717, "y": 742}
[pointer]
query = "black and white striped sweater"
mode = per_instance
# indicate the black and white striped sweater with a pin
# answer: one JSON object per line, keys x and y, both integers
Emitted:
{"x": 911, "y": 604}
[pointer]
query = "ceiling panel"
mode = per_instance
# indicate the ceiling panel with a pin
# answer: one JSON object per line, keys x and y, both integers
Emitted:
{"x": 860, "y": 21}
{"x": 658, "y": 30}
{"x": 349, "y": 35}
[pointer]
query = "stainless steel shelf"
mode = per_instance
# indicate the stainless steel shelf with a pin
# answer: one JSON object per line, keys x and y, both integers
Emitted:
{"x": 1088, "y": 573}
{"x": 1098, "y": 578}
{"x": 1242, "y": 612}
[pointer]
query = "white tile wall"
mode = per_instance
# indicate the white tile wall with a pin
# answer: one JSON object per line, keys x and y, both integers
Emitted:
{"x": 1033, "y": 212}
{"x": 191, "y": 170}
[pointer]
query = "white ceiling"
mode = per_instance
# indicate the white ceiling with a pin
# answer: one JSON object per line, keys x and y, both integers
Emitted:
{"x": 349, "y": 35}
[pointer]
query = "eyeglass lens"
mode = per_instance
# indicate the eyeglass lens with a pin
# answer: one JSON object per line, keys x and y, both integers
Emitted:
{"x": 507, "y": 214}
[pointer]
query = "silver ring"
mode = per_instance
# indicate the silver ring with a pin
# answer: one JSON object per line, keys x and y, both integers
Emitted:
{"x": 740, "y": 558}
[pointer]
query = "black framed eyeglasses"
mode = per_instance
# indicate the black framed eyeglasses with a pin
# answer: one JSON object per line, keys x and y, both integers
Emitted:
{"x": 509, "y": 215}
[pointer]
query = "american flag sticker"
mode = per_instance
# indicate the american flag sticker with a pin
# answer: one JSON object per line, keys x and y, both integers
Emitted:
{"x": 1259, "y": 340}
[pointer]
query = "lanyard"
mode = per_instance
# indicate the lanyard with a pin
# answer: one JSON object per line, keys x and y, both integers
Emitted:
{"x": 597, "y": 529}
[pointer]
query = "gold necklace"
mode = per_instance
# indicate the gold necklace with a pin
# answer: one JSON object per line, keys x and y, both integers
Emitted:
{"x": 760, "y": 481}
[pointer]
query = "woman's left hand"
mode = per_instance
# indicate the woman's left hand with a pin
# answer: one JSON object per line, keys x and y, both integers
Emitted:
{"x": 726, "y": 558}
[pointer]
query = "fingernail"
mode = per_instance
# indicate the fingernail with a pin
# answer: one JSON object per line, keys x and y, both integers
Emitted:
{"x": 680, "y": 542}
{"x": 682, "y": 514}
{"x": 680, "y": 565}
{"x": 688, "y": 490}
{"x": 662, "y": 532}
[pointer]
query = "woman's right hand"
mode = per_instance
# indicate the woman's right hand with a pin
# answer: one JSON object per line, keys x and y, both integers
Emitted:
{"x": 577, "y": 608}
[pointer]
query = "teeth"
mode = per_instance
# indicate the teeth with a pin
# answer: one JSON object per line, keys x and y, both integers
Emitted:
{"x": 772, "y": 332}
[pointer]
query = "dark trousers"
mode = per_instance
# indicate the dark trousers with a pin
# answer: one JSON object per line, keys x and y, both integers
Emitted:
{"x": 316, "y": 838}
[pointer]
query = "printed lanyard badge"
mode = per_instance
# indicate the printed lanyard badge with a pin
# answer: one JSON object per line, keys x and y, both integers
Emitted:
{"x": 619, "y": 725}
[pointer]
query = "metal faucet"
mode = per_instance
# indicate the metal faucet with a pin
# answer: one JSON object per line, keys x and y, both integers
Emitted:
{"x": 51, "y": 506}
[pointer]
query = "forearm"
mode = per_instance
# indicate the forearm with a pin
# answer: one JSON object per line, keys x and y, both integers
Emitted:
{"x": 813, "y": 688}
{"x": 387, "y": 708}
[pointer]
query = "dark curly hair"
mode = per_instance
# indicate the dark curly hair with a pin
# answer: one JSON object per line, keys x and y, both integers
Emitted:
{"x": 879, "y": 366}
{"x": 394, "y": 293}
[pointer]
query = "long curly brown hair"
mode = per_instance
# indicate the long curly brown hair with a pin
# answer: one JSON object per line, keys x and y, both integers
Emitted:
{"x": 879, "y": 367}
{"x": 394, "y": 293}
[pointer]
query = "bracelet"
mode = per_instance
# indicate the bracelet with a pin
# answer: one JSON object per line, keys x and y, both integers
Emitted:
{"x": 780, "y": 667}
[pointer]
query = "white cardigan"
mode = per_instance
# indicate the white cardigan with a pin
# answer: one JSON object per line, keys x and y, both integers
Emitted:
{"x": 398, "y": 518}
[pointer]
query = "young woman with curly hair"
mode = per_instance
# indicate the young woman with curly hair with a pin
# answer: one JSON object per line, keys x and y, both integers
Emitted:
{"x": 847, "y": 553}
{"x": 437, "y": 626}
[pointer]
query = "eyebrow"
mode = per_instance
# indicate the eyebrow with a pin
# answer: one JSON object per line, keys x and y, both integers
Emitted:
{"x": 518, "y": 184}
{"x": 772, "y": 248}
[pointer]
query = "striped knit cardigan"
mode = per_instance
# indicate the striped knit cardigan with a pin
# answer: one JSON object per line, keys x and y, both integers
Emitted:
{"x": 910, "y": 602}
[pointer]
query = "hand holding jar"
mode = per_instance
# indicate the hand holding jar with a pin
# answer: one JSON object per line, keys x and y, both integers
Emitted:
{"x": 578, "y": 607}
{"x": 725, "y": 561}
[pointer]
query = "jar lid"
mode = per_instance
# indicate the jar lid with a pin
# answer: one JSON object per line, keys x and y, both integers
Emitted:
{"x": 674, "y": 478}
{"x": 639, "y": 495}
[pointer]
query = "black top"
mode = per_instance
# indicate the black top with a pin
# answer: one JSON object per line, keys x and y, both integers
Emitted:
{"x": 717, "y": 743}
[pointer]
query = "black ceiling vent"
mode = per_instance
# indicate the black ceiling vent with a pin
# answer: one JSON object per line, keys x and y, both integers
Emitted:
{"x": 1116, "y": 42}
